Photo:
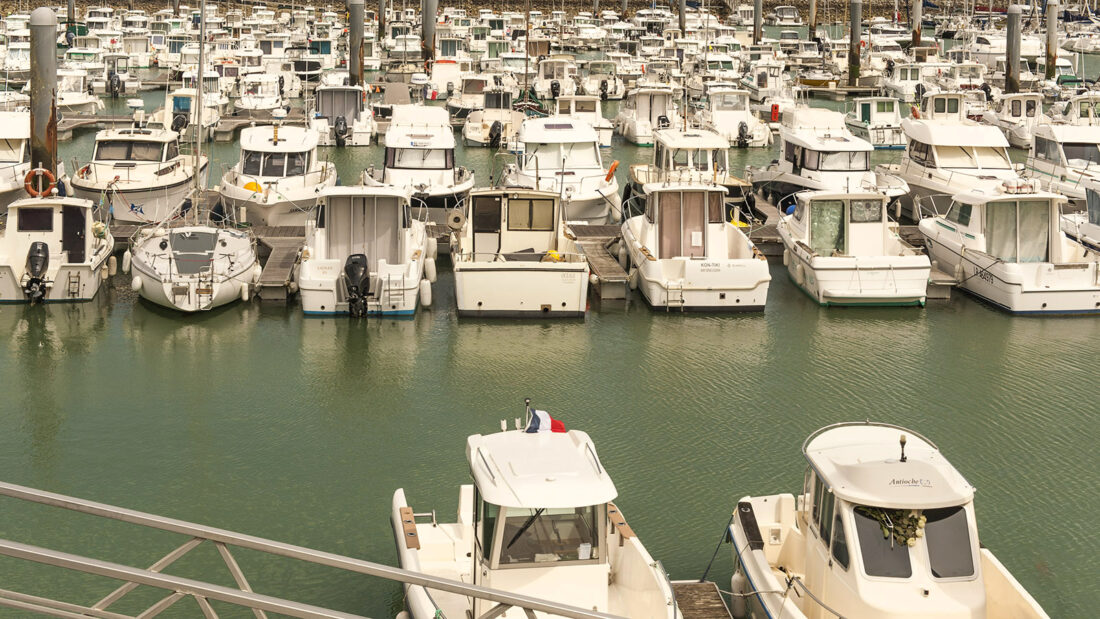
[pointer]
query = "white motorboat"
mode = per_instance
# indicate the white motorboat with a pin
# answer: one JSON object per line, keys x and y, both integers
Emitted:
{"x": 684, "y": 254}
{"x": 819, "y": 153}
{"x": 15, "y": 155}
{"x": 513, "y": 258}
{"x": 341, "y": 116}
{"x": 140, "y": 174}
{"x": 366, "y": 253}
{"x": 15, "y": 68}
{"x": 192, "y": 268}
{"x": 1080, "y": 110}
{"x": 279, "y": 176}
{"x": 537, "y": 521}
{"x": 877, "y": 120}
{"x": 1017, "y": 115}
{"x": 557, "y": 75}
{"x": 1084, "y": 227}
{"x": 764, "y": 79}
{"x": 884, "y": 527}
{"x": 181, "y": 114}
{"x": 496, "y": 125}
{"x": 116, "y": 77}
{"x": 1062, "y": 158}
{"x": 562, "y": 155}
{"x": 1007, "y": 247}
{"x": 470, "y": 95}
{"x": 75, "y": 94}
{"x": 784, "y": 16}
{"x": 587, "y": 108}
{"x": 842, "y": 249}
{"x": 52, "y": 250}
{"x": 645, "y": 110}
{"x": 420, "y": 155}
{"x": 601, "y": 79}
{"x": 261, "y": 94}
{"x": 727, "y": 113}
{"x": 947, "y": 153}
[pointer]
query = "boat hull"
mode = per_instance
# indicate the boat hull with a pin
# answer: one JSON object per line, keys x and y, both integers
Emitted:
{"x": 521, "y": 289}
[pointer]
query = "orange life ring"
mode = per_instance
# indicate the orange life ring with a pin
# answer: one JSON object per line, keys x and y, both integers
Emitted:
{"x": 611, "y": 171}
{"x": 28, "y": 182}
{"x": 914, "y": 112}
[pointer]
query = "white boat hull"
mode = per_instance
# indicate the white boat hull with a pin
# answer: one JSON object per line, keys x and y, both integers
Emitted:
{"x": 521, "y": 289}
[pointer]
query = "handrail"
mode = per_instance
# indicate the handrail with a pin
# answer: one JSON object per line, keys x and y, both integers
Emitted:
{"x": 221, "y": 537}
{"x": 877, "y": 424}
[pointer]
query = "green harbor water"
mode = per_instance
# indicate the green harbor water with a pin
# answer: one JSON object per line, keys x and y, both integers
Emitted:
{"x": 255, "y": 419}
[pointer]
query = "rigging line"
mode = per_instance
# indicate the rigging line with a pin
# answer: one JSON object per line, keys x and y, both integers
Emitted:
{"x": 725, "y": 533}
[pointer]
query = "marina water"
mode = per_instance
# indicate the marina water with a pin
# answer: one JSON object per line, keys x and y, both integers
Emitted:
{"x": 256, "y": 419}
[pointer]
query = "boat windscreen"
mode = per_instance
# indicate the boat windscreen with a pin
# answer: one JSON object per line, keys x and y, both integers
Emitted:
{"x": 1082, "y": 155}
{"x": 124, "y": 150}
{"x": 728, "y": 102}
{"x": 882, "y": 556}
{"x": 549, "y": 535}
{"x": 950, "y": 554}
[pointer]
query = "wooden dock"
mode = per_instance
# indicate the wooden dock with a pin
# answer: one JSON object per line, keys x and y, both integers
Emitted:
{"x": 700, "y": 600}
{"x": 611, "y": 281}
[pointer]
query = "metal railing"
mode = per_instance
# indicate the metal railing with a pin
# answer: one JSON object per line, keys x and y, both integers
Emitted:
{"x": 203, "y": 592}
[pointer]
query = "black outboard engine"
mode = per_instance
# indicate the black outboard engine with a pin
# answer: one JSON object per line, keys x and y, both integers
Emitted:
{"x": 663, "y": 122}
{"x": 890, "y": 67}
{"x": 115, "y": 85}
{"x": 282, "y": 84}
{"x": 918, "y": 92}
{"x": 987, "y": 90}
{"x": 91, "y": 88}
{"x": 742, "y": 134}
{"x": 340, "y": 130}
{"x": 495, "y": 133}
{"x": 603, "y": 90}
{"x": 179, "y": 122}
{"x": 555, "y": 89}
{"x": 38, "y": 260}
{"x": 357, "y": 277}
{"x": 70, "y": 38}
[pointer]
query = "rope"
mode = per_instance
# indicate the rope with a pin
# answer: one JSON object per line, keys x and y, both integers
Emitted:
{"x": 718, "y": 547}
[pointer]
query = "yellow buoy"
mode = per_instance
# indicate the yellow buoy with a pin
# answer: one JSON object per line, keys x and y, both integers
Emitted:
{"x": 254, "y": 187}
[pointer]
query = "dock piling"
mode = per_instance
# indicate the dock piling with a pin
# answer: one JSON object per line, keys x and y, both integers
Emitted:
{"x": 1012, "y": 55}
{"x": 428, "y": 10}
{"x": 355, "y": 42}
{"x": 855, "y": 13}
{"x": 43, "y": 27}
{"x": 916, "y": 17}
{"x": 1052, "y": 38}
{"x": 757, "y": 21}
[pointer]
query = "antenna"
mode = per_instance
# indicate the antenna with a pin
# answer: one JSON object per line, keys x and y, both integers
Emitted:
{"x": 902, "y": 441}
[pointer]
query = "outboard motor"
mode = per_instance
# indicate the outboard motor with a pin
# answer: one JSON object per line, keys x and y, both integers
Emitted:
{"x": 115, "y": 85}
{"x": 918, "y": 92}
{"x": 663, "y": 122}
{"x": 890, "y": 67}
{"x": 179, "y": 122}
{"x": 496, "y": 131}
{"x": 987, "y": 90}
{"x": 91, "y": 89}
{"x": 70, "y": 38}
{"x": 603, "y": 90}
{"x": 555, "y": 89}
{"x": 357, "y": 277}
{"x": 742, "y": 134}
{"x": 282, "y": 85}
{"x": 38, "y": 260}
{"x": 340, "y": 130}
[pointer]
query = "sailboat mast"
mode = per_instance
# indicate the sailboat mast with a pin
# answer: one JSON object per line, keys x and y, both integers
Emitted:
{"x": 198, "y": 102}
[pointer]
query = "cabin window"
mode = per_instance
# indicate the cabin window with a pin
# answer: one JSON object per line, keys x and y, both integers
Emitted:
{"x": 1080, "y": 155}
{"x": 791, "y": 153}
{"x": 846, "y": 161}
{"x": 488, "y": 527}
{"x": 549, "y": 535}
{"x": 827, "y": 227}
{"x": 947, "y": 532}
{"x": 811, "y": 159}
{"x": 172, "y": 151}
{"x": 251, "y": 162}
{"x": 588, "y": 107}
{"x": 865, "y": 211}
{"x": 884, "y": 107}
{"x": 1029, "y": 108}
{"x": 715, "y": 202}
{"x": 960, "y": 213}
{"x": 122, "y": 150}
{"x": 531, "y": 215}
{"x": 819, "y": 491}
{"x": 36, "y": 219}
{"x": 1048, "y": 150}
{"x": 274, "y": 164}
{"x": 827, "y": 502}
{"x": 1016, "y": 107}
{"x": 1003, "y": 220}
{"x": 840, "y": 541}
{"x": 882, "y": 556}
{"x": 728, "y": 102}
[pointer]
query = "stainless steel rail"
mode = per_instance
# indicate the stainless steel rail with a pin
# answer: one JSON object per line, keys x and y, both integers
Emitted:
{"x": 201, "y": 591}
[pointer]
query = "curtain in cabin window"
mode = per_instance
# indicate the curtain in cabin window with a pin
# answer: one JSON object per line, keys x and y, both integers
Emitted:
{"x": 694, "y": 224}
{"x": 1000, "y": 230}
{"x": 827, "y": 227}
{"x": 1035, "y": 230}
{"x": 668, "y": 224}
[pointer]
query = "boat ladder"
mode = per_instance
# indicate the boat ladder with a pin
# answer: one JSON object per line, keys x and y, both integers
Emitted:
{"x": 205, "y": 288}
{"x": 395, "y": 294}
{"x": 674, "y": 296}
{"x": 74, "y": 285}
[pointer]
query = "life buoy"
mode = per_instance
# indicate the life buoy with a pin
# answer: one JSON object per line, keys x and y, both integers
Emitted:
{"x": 611, "y": 171}
{"x": 863, "y": 43}
{"x": 28, "y": 182}
{"x": 914, "y": 112}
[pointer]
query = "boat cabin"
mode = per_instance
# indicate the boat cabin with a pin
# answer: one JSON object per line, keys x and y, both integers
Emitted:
{"x": 1021, "y": 107}
{"x": 124, "y": 149}
{"x": 1082, "y": 110}
{"x": 340, "y": 101}
{"x": 278, "y": 152}
{"x": 516, "y": 224}
{"x": 1016, "y": 225}
{"x": 355, "y": 220}
{"x": 842, "y": 224}
{"x": 655, "y": 105}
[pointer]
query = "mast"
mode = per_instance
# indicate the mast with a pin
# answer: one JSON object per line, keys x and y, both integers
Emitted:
{"x": 198, "y": 104}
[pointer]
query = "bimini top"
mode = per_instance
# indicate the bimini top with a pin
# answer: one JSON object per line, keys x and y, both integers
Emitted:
{"x": 692, "y": 138}
{"x": 538, "y": 470}
{"x": 938, "y": 132}
{"x": 861, "y": 463}
{"x": 556, "y": 130}
{"x": 1074, "y": 134}
{"x": 290, "y": 139}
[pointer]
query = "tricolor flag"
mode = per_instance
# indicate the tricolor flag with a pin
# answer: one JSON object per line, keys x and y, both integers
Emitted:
{"x": 541, "y": 421}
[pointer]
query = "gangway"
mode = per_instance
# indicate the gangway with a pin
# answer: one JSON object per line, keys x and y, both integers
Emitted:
{"x": 203, "y": 593}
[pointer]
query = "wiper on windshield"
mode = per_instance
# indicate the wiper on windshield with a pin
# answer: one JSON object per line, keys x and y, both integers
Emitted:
{"x": 526, "y": 525}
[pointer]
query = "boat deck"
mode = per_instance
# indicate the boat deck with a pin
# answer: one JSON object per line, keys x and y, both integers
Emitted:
{"x": 593, "y": 241}
{"x": 700, "y": 600}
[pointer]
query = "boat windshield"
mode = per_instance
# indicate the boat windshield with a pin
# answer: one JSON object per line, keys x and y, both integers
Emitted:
{"x": 729, "y": 102}
{"x": 1081, "y": 155}
{"x": 274, "y": 164}
{"x": 552, "y": 158}
{"x": 125, "y": 150}
{"x": 11, "y": 151}
{"x": 420, "y": 158}
{"x": 845, "y": 161}
{"x": 720, "y": 64}
{"x": 882, "y": 555}
{"x": 982, "y": 157}
{"x": 947, "y": 533}
{"x": 549, "y": 535}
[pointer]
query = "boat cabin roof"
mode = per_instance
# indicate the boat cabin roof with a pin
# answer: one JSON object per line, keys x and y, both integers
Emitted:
{"x": 291, "y": 139}
{"x": 696, "y": 139}
{"x": 15, "y": 125}
{"x": 977, "y": 196}
{"x": 343, "y": 195}
{"x": 556, "y": 129}
{"x": 539, "y": 469}
{"x": 953, "y": 133}
{"x": 138, "y": 135}
{"x": 1074, "y": 134}
{"x": 862, "y": 464}
{"x": 50, "y": 202}
{"x": 821, "y": 130}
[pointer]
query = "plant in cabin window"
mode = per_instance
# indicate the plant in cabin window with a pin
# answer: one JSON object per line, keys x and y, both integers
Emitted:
{"x": 906, "y": 526}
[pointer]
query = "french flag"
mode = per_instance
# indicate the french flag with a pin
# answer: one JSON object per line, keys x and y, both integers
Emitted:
{"x": 541, "y": 421}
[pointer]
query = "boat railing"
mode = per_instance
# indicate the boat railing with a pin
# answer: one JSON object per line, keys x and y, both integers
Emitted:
{"x": 241, "y": 595}
{"x": 856, "y": 424}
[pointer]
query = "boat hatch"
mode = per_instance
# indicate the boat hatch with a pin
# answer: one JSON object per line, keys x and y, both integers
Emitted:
{"x": 193, "y": 251}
